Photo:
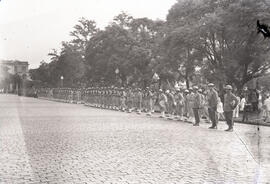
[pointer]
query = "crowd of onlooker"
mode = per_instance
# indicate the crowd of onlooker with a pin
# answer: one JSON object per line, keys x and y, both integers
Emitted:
{"x": 254, "y": 103}
{"x": 191, "y": 105}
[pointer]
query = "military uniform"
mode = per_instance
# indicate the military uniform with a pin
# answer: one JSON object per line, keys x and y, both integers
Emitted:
{"x": 179, "y": 98}
{"x": 196, "y": 105}
{"x": 162, "y": 103}
{"x": 230, "y": 103}
{"x": 212, "y": 98}
{"x": 139, "y": 101}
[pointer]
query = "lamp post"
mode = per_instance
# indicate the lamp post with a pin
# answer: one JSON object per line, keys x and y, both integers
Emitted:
{"x": 62, "y": 80}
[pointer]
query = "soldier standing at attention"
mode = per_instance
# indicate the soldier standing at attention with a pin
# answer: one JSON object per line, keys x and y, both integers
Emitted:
{"x": 118, "y": 99}
{"x": 186, "y": 114}
{"x": 139, "y": 101}
{"x": 179, "y": 105}
{"x": 123, "y": 99}
{"x": 150, "y": 102}
{"x": 129, "y": 100}
{"x": 230, "y": 103}
{"x": 171, "y": 104}
{"x": 196, "y": 105}
{"x": 145, "y": 101}
{"x": 162, "y": 103}
{"x": 212, "y": 98}
{"x": 135, "y": 99}
{"x": 190, "y": 101}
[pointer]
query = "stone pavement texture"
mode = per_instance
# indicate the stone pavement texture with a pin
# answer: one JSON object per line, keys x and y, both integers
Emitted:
{"x": 49, "y": 142}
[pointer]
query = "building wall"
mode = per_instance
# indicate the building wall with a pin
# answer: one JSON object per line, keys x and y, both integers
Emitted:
{"x": 16, "y": 67}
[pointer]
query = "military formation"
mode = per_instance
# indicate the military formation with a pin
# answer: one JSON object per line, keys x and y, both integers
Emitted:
{"x": 191, "y": 105}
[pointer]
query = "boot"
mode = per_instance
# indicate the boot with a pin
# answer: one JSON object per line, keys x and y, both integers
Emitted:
{"x": 213, "y": 127}
{"x": 162, "y": 115}
{"x": 230, "y": 129}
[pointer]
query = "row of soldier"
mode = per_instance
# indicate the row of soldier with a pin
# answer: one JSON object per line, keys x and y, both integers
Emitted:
{"x": 178, "y": 104}
{"x": 68, "y": 95}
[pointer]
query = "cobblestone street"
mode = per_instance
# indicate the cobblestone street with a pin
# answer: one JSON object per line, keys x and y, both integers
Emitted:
{"x": 49, "y": 142}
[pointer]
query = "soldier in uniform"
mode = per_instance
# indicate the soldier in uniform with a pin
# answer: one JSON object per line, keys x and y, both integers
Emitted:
{"x": 95, "y": 97}
{"x": 85, "y": 96}
{"x": 106, "y": 97}
{"x": 151, "y": 101}
{"x": 230, "y": 103}
{"x": 196, "y": 105}
{"x": 129, "y": 100}
{"x": 179, "y": 98}
{"x": 162, "y": 103}
{"x": 119, "y": 98}
{"x": 91, "y": 97}
{"x": 113, "y": 98}
{"x": 139, "y": 101}
{"x": 134, "y": 99}
{"x": 123, "y": 96}
{"x": 110, "y": 97}
{"x": 74, "y": 96}
{"x": 186, "y": 104}
{"x": 144, "y": 100}
{"x": 190, "y": 99}
{"x": 171, "y": 104}
{"x": 100, "y": 97}
{"x": 212, "y": 98}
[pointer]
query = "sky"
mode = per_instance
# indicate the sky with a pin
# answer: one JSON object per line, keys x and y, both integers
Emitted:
{"x": 30, "y": 29}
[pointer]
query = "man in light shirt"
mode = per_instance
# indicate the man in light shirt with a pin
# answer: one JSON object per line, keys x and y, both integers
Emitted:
{"x": 212, "y": 98}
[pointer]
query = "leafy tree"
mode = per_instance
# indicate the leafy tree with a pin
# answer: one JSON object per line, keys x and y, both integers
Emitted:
{"x": 215, "y": 38}
{"x": 82, "y": 33}
{"x": 127, "y": 44}
{"x": 41, "y": 73}
{"x": 225, "y": 36}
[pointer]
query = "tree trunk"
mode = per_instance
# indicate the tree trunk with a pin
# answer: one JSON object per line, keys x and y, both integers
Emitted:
{"x": 187, "y": 69}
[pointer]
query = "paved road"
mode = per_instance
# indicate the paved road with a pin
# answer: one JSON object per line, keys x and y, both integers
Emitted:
{"x": 49, "y": 142}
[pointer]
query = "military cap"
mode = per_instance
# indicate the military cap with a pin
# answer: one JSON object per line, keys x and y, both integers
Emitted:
{"x": 195, "y": 87}
{"x": 228, "y": 87}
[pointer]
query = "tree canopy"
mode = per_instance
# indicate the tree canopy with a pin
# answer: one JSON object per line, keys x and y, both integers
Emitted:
{"x": 216, "y": 39}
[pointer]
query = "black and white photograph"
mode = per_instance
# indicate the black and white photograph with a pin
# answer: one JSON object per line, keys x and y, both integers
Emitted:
{"x": 135, "y": 92}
